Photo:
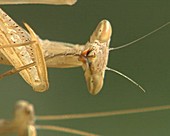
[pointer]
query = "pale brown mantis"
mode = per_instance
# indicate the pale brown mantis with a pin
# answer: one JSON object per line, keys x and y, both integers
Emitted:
{"x": 23, "y": 123}
{"x": 73, "y": 56}
{"x": 92, "y": 56}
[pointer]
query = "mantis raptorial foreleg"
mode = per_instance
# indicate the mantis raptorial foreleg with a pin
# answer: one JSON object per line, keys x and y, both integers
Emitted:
{"x": 19, "y": 57}
{"x": 40, "y": 61}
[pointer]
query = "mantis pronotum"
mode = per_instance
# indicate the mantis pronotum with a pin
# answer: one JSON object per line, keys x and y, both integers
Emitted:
{"x": 92, "y": 56}
{"x": 24, "y": 114}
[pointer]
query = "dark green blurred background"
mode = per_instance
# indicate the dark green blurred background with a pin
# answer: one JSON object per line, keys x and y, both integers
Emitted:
{"x": 147, "y": 62}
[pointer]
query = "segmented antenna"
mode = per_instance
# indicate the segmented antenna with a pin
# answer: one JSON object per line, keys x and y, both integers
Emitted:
{"x": 103, "y": 114}
{"x": 66, "y": 130}
{"x": 123, "y": 75}
{"x": 139, "y": 39}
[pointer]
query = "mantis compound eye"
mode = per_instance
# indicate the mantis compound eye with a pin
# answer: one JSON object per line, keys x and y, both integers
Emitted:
{"x": 94, "y": 82}
{"x": 102, "y": 32}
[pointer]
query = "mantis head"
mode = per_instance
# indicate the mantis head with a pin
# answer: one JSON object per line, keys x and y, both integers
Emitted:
{"x": 95, "y": 56}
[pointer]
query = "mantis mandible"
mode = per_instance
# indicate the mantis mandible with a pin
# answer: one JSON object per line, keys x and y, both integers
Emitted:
{"x": 24, "y": 114}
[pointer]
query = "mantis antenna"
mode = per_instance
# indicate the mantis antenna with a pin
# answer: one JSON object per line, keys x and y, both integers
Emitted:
{"x": 64, "y": 129}
{"x": 128, "y": 44}
{"x": 139, "y": 39}
{"x": 103, "y": 114}
{"x": 123, "y": 75}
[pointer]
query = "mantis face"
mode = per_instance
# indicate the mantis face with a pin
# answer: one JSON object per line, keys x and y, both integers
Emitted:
{"x": 24, "y": 113}
{"x": 95, "y": 56}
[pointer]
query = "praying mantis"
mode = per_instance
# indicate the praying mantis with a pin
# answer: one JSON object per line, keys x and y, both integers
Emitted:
{"x": 24, "y": 114}
{"x": 31, "y": 55}
{"x": 23, "y": 123}
{"x": 73, "y": 56}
